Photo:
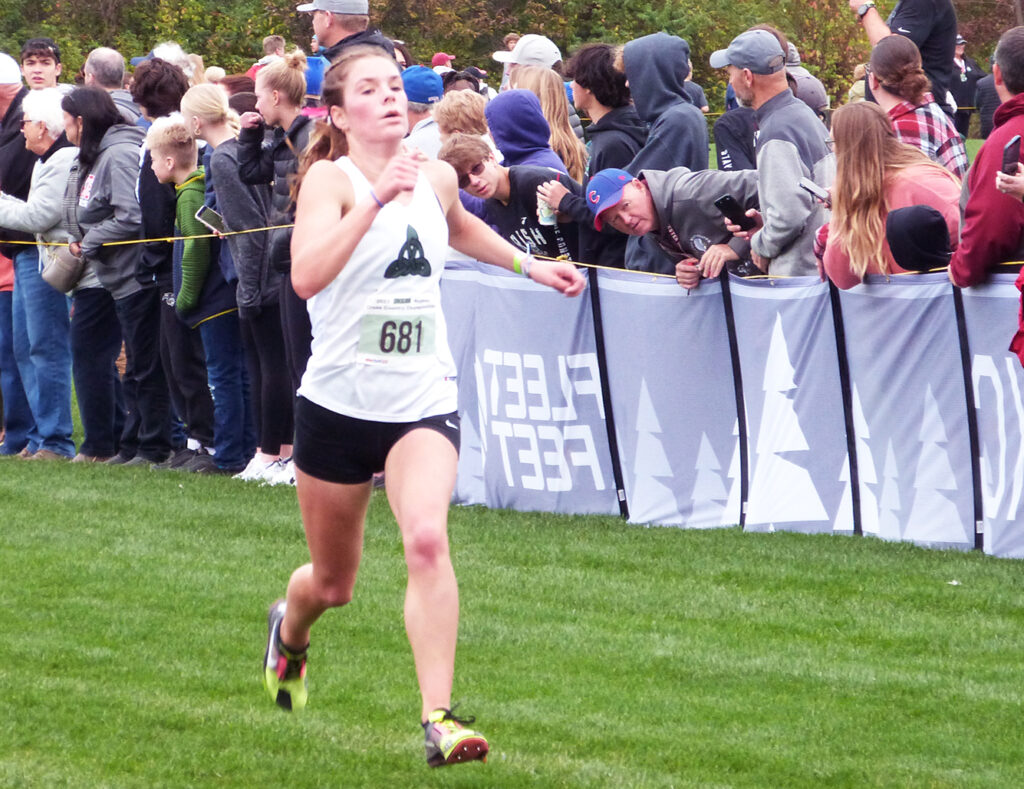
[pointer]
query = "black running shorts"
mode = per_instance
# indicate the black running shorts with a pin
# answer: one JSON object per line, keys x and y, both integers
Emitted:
{"x": 342, "y": 449}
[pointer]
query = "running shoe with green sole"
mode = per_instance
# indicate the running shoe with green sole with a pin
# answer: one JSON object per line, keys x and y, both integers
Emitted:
{"x": 284, "y": 674}
{"x": 449, "y": 742}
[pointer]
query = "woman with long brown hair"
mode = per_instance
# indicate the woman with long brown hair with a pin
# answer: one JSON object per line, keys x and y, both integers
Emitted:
{"x": 876, "y": 174}
{"x": 899, "y": 85}
{"x": 549, "y": 88}
{"x": 372, "y": 227}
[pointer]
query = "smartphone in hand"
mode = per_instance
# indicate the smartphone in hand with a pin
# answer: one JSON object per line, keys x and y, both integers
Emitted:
{"x": 731, "y": 209}
{"x": 211, "y": 219}
{"x": 817, "y": 192}
{"x": 1011, "y": 155}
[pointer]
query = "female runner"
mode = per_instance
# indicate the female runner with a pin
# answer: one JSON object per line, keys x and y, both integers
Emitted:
{"x": 379, "y": 391}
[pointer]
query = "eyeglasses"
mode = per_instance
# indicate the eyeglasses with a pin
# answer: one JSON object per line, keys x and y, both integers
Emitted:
{"x": 25, "y": 122}
{"x": 474, "y": 171}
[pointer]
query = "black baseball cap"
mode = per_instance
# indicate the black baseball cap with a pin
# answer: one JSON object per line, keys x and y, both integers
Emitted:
{"x": 918, "y": 238}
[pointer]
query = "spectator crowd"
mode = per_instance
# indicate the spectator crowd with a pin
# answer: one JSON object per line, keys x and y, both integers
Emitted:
{"x": 145, "y": 214}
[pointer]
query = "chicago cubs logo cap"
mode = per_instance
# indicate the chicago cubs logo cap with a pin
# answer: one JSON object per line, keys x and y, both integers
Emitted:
{"x": 605, "y": 190}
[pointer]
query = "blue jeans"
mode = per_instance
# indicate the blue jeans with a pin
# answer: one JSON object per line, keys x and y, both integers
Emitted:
{"x": 234, "y": 436}
{"x": 95, "y": 345}
{"x": 42, "y": 348}
{"x": 17, "y": 415}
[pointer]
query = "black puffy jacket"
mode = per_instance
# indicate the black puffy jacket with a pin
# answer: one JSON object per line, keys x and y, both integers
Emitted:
{"x": 274, "y": 161}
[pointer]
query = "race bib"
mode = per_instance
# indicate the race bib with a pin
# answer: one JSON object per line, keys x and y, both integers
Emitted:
{"x": 393, "y": 330}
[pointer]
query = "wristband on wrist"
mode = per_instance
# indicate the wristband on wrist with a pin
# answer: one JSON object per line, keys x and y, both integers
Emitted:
{"x": 376, "y": 199}
{"x": 864, "y": 8}
{"x": 521, "y": 264}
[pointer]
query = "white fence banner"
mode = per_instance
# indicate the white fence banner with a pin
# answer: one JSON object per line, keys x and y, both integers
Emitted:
{"x": 991, "y": 316}
{"x": 673, "y": 400}
{"x": 458, "y": 300}
{"x": 539, "y": 414}
{"x": 910, "y": 410}
{"x": 796, "y": 429}
{"x": 535, "y": 432}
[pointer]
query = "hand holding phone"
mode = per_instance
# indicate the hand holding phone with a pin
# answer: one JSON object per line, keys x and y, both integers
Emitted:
{"x": 211, "y": 219}
{"x": 1011, "y": 155}
{"x": 730, "y": 208}
{"x": 817, "y": 192}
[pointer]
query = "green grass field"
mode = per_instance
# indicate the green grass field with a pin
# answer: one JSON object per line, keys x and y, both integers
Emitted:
{"x": 594, "y": 654}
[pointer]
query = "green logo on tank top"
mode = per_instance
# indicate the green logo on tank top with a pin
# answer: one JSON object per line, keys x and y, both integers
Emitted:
{"x": 410, "y": 260}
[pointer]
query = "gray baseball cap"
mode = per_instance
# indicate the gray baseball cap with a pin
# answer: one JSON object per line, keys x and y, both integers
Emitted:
{"x": 757, "y": 50}
{"x": 336, "y": 6}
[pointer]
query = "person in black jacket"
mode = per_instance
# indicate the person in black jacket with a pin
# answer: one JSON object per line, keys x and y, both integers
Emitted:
{"x": 614, "y": 137}
{"x": 280, "y": 92}
{"x": 964, "y": 87}
{"x": 339, "y": 24}
{"x": 157, "y": 89}
{"x": 987, "y": 101}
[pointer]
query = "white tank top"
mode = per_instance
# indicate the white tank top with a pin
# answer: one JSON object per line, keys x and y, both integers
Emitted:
{"x": 380, "y": 344}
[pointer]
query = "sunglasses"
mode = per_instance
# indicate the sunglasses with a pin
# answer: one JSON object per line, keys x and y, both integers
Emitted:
{"x": 474, "y": 171}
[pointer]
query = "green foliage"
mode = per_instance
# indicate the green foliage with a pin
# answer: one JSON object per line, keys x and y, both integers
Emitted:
{"x": 228, "y": 32}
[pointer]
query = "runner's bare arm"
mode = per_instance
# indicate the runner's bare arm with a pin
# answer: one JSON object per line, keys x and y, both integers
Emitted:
{"x": 329, "y": 223}
{"x": 473, "y": 237}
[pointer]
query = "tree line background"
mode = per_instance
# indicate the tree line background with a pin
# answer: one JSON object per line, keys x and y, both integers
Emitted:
{"x": 228, "y": 33}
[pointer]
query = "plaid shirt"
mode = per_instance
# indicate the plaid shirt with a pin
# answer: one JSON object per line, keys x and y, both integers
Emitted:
{"x": 927, "y": 127}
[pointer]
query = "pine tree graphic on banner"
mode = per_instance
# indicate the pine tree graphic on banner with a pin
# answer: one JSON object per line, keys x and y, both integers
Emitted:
{"x": 867, "y": 474}
{"x": 709, "y": 492}
{"x": 933, "y": 516}
{"x": 733, "y": 504}
{"x": 781, "y": 491}
{"x": 650, "y": 500}
{"x": 889, "y": 508}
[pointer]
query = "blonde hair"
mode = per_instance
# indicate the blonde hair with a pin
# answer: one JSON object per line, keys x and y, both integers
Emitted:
{"x": 198, "y": 76}
{"x": 287, "y": 76}
{"x": 868, "y": 156}
{"x": 461, "y": 111}
{"x": 170, "y": 136}
{"x": 209, "y": 103}
{"x": 554, "y": 104}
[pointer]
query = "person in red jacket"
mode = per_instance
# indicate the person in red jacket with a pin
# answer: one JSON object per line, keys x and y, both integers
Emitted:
{"x": 993, "y": 226}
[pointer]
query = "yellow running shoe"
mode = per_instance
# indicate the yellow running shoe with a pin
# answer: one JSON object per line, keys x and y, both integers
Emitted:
{"x": 449, "y": 742}
{"x": 284, "y": 672}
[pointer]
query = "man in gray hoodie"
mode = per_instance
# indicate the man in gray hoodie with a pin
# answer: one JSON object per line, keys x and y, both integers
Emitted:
{"x": 792, "y": 143}
{"x": 676, "y": 210}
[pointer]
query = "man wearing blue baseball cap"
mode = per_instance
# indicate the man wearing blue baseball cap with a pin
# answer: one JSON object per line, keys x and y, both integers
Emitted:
{"x": 677, "y": 209}
{"x": 792, "y": 143}
{"x": 339, "y": 24}
{"x": 423, "y": 88}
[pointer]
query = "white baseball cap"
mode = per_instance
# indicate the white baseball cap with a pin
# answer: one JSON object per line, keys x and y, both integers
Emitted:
{"x": 10, "y": 71}
{"x": 531, "y": 50}
{"x": 336, "y": 6}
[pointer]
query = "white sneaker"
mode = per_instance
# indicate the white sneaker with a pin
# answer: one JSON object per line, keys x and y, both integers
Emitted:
{"x": 280, "y": 472}
{"x": 254, "y": 470}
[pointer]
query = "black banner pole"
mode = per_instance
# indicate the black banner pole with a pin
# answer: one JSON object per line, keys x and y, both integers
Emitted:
{"x": 606, "y": 395}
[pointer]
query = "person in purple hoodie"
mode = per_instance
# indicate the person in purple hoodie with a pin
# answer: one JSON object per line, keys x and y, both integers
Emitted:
{"x": 520, "y": 130}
